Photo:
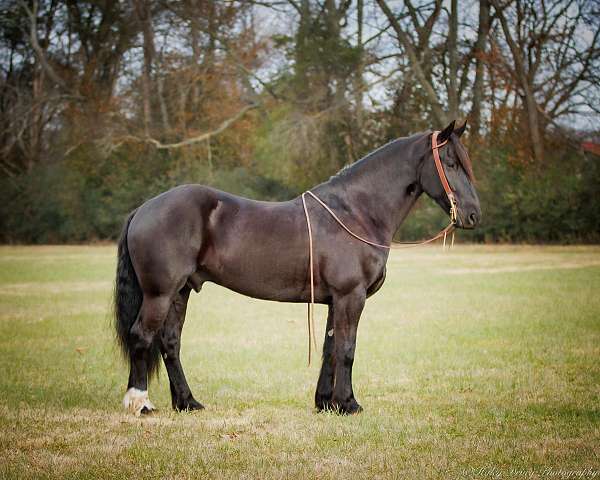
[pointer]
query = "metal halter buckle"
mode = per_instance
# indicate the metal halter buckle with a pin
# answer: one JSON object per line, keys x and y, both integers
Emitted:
{"x": 453, "y": 209}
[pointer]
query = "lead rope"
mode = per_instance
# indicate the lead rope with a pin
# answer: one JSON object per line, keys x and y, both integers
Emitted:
{"x": 394, "y": 245}
{"x": 311, "y": 305}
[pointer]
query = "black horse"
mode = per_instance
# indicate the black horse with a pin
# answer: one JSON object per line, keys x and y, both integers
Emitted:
{"x": 192, "y": 234}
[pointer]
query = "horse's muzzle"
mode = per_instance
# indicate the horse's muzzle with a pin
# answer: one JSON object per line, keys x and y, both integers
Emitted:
{"x": 469, "y": 220}
{"x": 473, "y": 220}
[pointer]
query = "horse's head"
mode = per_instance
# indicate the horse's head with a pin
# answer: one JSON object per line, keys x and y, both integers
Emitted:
{"x": 459, "y": 173}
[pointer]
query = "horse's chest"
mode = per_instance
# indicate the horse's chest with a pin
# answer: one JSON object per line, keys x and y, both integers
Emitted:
{"x": 377, "y": 284}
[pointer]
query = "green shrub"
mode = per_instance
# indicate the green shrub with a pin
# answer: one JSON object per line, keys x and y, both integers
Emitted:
{"x": 87, "y": 196}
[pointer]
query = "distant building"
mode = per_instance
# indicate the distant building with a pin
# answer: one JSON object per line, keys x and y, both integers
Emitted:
{"x": 591, "y": 147}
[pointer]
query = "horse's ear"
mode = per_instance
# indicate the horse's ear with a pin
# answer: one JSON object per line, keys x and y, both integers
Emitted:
{"x": 445, "y": 134}
{"x": 460, "y": 130}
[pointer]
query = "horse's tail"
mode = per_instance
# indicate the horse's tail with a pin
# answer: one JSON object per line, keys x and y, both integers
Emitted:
{"x": 128, "y": 298}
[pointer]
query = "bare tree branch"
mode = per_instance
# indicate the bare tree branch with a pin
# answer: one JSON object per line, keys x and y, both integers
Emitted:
{"x": 406, "y": 43}
{"x": 190, "y": 141}
{"x": 36, "y": 45}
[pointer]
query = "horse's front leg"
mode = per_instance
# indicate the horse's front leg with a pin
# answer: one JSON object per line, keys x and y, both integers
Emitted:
{"x": 346, "y": 313}
{"x": 326, "y": 377}
{"x": 170, "y": 345}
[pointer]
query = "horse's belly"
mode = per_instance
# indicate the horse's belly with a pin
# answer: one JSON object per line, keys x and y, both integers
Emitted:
{"x": 261, "y": 254}
{"x": 262, "y": 274}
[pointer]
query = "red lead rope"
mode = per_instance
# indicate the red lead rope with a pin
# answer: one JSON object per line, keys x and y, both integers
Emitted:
{"x": 394, "y": 245}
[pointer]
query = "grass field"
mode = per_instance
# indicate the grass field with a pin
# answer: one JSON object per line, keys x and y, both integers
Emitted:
{"x": 480, "y": 363}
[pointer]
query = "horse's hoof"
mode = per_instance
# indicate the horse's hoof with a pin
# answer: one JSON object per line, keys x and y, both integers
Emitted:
{"x": 137, "y": 402}
{"x": 350, "y": 407}
{"x": 323, "y": 402}
{"x": 147, "y": 410}
{"x": 189, "y": 406}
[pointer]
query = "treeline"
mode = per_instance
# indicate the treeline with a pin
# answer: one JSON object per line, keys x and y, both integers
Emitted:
{"x": 107, "y": 103}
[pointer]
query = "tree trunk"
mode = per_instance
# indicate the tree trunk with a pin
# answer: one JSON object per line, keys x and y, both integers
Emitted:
{"x": 453, "y": 62}
{"x": 359, "y": 81}
{"x": 35, "y": 131}
{"x": 524, "y": 80}
{"x": 533, "y": 121}
{"x": 480, "y": 46}
{"x": 196, "y": 54}
{"x": 300, "y": 60}
{"x": 164, "y": 112}
{"x": 144, "y": 15}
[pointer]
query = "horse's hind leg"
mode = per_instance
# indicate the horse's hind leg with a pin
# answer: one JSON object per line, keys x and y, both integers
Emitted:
{"x": 326, "y": 377}
{"x": 144, "y": 356}
{"x": 170, "y": 344}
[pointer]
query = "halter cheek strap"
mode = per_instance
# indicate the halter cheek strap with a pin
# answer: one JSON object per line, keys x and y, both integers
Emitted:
{"x": 435, "y": 147}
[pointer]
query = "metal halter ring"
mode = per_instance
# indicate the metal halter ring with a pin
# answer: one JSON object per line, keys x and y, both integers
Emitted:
{"x": 453, "y": 209}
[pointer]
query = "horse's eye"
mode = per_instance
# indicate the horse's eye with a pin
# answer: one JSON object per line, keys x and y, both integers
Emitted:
{"x": 453, "y": 166}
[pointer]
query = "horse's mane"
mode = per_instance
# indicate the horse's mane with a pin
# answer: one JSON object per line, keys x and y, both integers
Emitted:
{"x": 461, "y": 151}
{"x": 392, "y": 143}
{"x": 463, "y": 157}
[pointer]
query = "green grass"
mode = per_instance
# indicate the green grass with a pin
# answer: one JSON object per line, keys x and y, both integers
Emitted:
{"x": 483, "y": 362}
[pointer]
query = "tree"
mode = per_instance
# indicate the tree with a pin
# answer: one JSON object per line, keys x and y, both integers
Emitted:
{"x": 483, "y": 31}
{"x": 544, "y": 56}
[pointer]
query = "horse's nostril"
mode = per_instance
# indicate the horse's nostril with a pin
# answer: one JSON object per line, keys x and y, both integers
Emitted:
{"x": 473, "y": 219}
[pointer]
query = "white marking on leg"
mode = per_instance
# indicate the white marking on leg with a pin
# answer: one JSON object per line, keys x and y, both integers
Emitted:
{"x": 136, "y": 400}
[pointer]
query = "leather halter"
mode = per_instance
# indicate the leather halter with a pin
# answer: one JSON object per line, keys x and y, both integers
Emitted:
{"x": 435, "y": 147}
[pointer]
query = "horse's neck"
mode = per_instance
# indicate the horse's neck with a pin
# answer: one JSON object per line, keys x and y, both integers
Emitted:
{"x": 377, "y": 188}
